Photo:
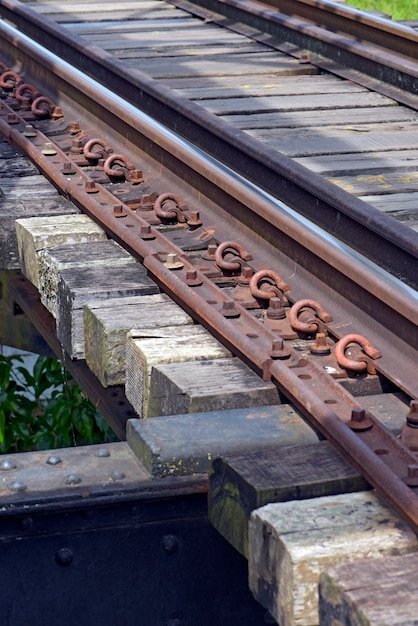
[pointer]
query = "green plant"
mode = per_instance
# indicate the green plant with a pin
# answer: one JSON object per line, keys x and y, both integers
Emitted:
{"x": 45, "y": 408}
{"x": 399, "y": 10}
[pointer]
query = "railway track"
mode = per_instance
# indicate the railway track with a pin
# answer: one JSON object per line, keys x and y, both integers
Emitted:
{"x": 212, "y": 210}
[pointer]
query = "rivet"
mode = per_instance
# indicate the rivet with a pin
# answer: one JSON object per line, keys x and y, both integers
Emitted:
{"x": 117, "y": 475}
{"x": 64, "y": 556}
{"x": 7, "y": 464}
{"x": 101, "y": 453}
{"x": 17, "y": 486}
{"x": 73, "y": 479}
{"x": 25, "y": 523}
{"x": 49, "y": 150}
{"x": 170, "y": 543}
{"x": 54, "y": 460}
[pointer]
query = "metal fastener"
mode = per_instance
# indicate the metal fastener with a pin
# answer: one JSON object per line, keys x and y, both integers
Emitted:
{"x": 172, "y": 262}
{"x": 73, "y": 479}
{"x": 7, "y": 464}
{"x": 17, "y": 486}
{"x": 102, "y": 453}
{"x": 64, "y": 556}
{"x": 117, "y": 475}
{"x": 359, "y": 420}
{"x": 49, "y": 150}
{"x": 54, "y": 459}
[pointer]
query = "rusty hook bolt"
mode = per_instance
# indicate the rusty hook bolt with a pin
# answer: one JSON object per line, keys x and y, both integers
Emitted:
{"x": 25, "y": 90}
{"x": 361, "y": 361}
{"x": 169, "y": 207}
{"x": 312, "y": 324}
{"x": 273, "y": 286}
{"x": 240, "y": 255}
{"x": 95, "y": 155}
{"x": 10, "y": 80}
{"x": 43, "y": 107}
{"x": 123, "y": 165}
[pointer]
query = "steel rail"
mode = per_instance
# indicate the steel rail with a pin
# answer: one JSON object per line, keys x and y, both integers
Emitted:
{"x": 387, "y": 309}
{"x": 390, "y": 244}
{"x": 380, "y": 456}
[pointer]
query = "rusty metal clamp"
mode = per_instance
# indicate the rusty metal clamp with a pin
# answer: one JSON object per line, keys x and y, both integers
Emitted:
{"x": 25, "y": 90}
{"x": 43, "y": 107}
{"x": 240, "y": 256}
{"x": 304, "y": 321}
{"x": 124, "y": 170}
{"x": 351, "y": 358}
{"x": 94, "y": 155}
{"x": 170, "y": 207}
{"x": 10, "y": 80}
{"x": 267, "y": 284}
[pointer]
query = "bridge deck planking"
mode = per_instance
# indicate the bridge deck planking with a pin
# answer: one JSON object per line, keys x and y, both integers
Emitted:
{"x": 197, "y": 59}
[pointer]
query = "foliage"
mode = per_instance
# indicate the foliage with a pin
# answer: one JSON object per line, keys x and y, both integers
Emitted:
{"x": 398, "y": 10}
{"x": 45, "y": 409}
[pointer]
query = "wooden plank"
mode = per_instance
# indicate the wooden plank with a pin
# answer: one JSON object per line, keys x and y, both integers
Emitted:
{"x": 264, "y": 84}
{"x": 185, "y": 444}
{"x": 229, "y": 106}
{"x": 101, "y": 30}
{"x": 167, "y": 345}
{"x": 232, "y": 65}
{"x": 208, "y": 385}
{"x": 17, "y": 182}
{"x": 78, "y": 286}
{"x": 106, "y": 324}
{"x": 37, "y": 233}
{"x": 292, "y": 543}
{"x": 370, "y": 592}
{"x": 357, "y": 120}
{"x": 144, "y": 39}
{"x": 373, "y": 184}
{"x": 240, "y": 483}
{"x": 364, "y": 162}
{"x": 341, "y": 142}
{"x": 53, "y": 260}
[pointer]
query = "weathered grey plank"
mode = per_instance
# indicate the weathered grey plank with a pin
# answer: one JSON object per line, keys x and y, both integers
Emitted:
{"x": 106, "y": 324}
{"x": 232, "y": 65}
{"x": 370, "y": 592}
{"x": 147, "y": 349}
{"x": 78, "y": 286}
{"x": 207, "y": 386}
{"x": 362, "y": 163}
{"x": 350, "y": 119}
{"x": 38, "y": 233}
{"x": 292, "y": 543}
{"x": 374, "y": 184}
{"x": 53, "y": 260}
{"x": 178, "y": 445}
{"x": 285, "y": 103}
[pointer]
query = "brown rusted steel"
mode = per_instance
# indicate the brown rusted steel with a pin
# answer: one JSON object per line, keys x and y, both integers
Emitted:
{"x": 311, "y": 323}
{"x": 103, "y": 151}
{"x": 236, "y": 252}
{"x": 354, "y": 359}
{"x": 10, "y": 80}
{"x": 267, "y": 284}
{"x": 43, "y": 106}
{"x": 170, "y": 207}
{"x": 26, "y": 90}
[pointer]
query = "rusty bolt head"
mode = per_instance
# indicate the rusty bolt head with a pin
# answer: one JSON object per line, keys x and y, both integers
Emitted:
{"x": 74, "y": 127}
{"x": 67, "y": 168}
{"x": 77, "y": 146}
{"x": 119, "y": 211}
{"x": 279, "y": 350}
{"x": 229, "y": 309}
{"x": 57, "y": 113}
{"x": 12, "y": 118}
{"x": 146, "y": 232}
{"x": 412, "y": 417}
{"x": 194, "y": 220}
{"x": 359, "y": 420}
{"x": 412, "y": 477}
{"x": 90, "y": 187}
{"x": 193, "y": 279}
{"x": 320, "y": 346}
{"x": 210, "y": 253}
{"x": 275, "y": 309}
